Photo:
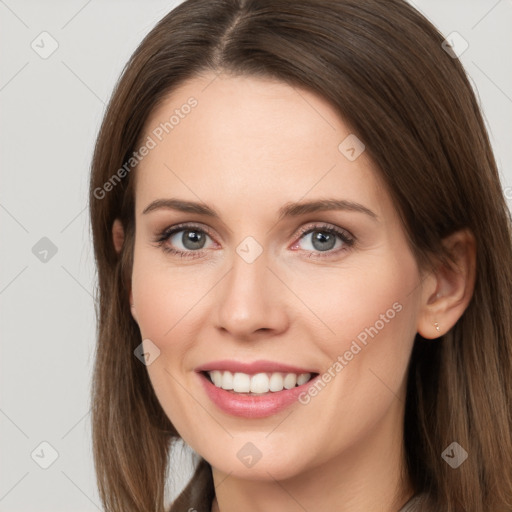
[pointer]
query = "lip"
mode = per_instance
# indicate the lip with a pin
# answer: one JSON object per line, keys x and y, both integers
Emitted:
{"x": 253, "y": 405}
{"x": 252, "y": 368}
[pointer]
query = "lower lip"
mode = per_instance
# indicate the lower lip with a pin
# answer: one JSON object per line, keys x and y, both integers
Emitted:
{"x": 253, "y": 406}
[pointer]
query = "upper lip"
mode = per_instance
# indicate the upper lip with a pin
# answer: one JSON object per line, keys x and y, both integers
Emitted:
{"x": 253, "y": 367}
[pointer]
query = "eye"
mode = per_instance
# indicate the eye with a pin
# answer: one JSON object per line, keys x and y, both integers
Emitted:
{"x": 324, "y": 239}
{"x": 187, "y": 241}
{"x": 190, "y": 241}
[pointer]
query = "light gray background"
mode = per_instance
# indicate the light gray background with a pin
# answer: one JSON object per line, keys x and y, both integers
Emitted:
{"x": 50, "y": 114}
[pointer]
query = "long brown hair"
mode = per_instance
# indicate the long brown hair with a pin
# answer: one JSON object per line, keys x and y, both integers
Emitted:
{"x": 382, "y": 66}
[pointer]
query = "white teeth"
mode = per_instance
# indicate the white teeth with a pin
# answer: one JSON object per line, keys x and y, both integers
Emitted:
{"x": 276, "y": 382}
{"x": 217, "y": 378}
{"x": 258, "y": 383}
{"x": 303, "y": 378}
{"x": 227, "y": 380}
{"x": 241, "y": 383}
{"x": 290, "y": 381}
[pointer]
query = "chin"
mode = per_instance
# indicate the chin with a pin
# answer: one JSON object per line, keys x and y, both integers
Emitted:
{"x": 249, "y": 458}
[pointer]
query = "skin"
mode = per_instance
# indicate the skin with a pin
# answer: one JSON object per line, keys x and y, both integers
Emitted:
{"x": 250, "y": 146}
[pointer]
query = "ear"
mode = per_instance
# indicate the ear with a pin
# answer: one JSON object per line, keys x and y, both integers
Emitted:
{"x": 118, "y": 239}
{"x": 118, "y": 235}
{"x": 448, "y": 291}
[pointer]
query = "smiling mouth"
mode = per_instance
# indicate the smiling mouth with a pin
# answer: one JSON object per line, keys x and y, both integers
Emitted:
{"x": 257, "y": 384}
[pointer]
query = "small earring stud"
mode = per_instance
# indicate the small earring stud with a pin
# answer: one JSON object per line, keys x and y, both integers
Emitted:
{"x": 436, "y": 325}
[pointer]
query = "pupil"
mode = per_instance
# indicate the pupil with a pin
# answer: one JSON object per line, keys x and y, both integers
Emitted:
{"x": 192, "y": 239}
{"x": 322, "y": 237}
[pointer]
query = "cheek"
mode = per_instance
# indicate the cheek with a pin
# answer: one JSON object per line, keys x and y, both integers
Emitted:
{"x": 359, "y": 302}
{"x": 165, "y": 298}
{"x": 370, "y": 313}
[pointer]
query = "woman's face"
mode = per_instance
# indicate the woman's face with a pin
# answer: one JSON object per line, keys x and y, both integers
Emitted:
{"x": 265, "y": 293}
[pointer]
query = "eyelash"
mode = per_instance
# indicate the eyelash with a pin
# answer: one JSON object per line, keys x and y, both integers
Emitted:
{"x": 166, "y": 233}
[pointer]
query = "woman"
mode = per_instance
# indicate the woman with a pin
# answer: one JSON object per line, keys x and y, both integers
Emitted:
{"x": 304, "y": 261}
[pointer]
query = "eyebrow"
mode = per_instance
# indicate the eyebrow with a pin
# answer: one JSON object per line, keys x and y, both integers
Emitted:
{"x": 288, "y": 210}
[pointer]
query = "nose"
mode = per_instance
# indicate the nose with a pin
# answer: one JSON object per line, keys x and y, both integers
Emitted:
{"x": 251, "y": 300}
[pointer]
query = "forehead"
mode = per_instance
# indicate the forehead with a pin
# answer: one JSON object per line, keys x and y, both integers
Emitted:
{"x": 260, "y": 142}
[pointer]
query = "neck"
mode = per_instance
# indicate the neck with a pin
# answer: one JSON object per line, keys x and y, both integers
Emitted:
{"x": 367, "y": 476}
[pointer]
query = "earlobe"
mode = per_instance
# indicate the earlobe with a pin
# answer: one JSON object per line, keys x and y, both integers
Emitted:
{"x": 449, "y": 288}
{"x": 117, "y": 235}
